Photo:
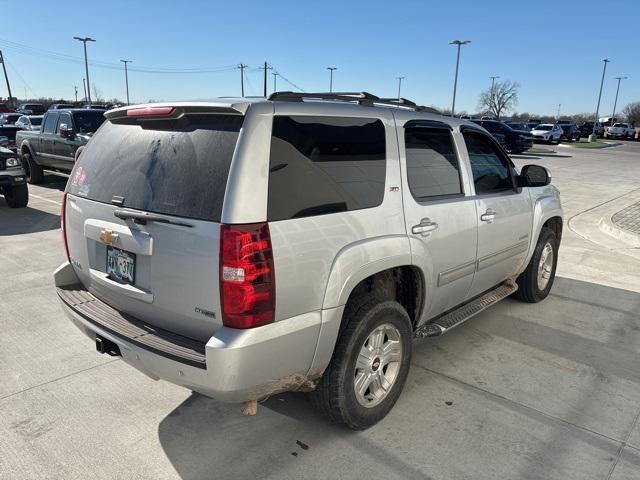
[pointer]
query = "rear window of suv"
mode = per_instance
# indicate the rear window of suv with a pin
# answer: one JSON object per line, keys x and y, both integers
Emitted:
{"x": 322, "y": 165}
{"x": 161, "y": 167}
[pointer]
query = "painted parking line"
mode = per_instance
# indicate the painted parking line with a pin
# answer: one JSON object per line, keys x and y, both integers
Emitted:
{"x": 44, "y": 198}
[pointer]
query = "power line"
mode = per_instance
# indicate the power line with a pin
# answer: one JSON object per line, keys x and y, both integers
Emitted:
{"x": 27, "y": 50}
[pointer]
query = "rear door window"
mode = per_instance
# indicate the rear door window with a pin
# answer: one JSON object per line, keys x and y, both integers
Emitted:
{"x": 162, "y": 167}
{"x": 50, "y": 122}
{"x": 322, "y": 165}
{"x": 432, "y": 163}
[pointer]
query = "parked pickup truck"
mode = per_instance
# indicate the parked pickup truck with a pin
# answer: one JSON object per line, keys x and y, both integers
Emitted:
{"x": 621, "y": 130}
{"x": 54, "y": 146}
{"x": 245, "y": 247}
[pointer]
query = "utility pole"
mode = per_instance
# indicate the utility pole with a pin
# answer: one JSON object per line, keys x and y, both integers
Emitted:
{"x": 266, "y": 67}
{"x": 331, "y": 69}
{"x": 84, "y": 41}
{"x": 84, "y": 86}
{"x": 242, "y": 66}
{"x": 6, "y": 77}
{"x": 593, "y": 135}
{"x": 126, "y": 77}
{"x": 458, "y": 43}
{"x": 615, "y": 104}
{"x": 399, "y": 86}
{"x": 75, "y": 87}
{"x": 275, "y": 75}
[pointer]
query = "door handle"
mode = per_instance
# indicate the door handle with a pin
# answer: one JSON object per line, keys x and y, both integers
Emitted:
{"x": 488, "y": 216}
{"x": 424, "y": 227}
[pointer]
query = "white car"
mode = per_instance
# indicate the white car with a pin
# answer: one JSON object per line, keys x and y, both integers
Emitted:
{"x": 30, "y": 122}
{"x": 547, "y": 132}
{"x": 621, "y": 130}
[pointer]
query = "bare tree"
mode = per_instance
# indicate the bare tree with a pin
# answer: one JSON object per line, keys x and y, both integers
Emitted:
{"x": 632, "y": 112}
{"x": 499, "y": 99}
{"x": 97, "y": 93}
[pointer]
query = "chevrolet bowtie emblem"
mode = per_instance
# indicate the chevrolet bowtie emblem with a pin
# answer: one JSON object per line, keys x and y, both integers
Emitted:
{"x": 108, "y": 237}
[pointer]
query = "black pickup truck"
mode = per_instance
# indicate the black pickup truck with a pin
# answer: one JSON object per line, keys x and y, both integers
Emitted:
{"x": 54, "y": 147}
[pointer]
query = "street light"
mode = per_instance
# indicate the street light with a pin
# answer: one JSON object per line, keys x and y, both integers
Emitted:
{"x": 615, "y": 104}
{"x": 331, "y": 69}
{"x": 459, "y": 43}
{"x": 84, "y": 41}
{"x": 399, "y": 85}
{"x": 493, "y": 81}
{"x": 593, "y": 135}
{"x": 126, "y": 77}
{"x": 275, "y": 76}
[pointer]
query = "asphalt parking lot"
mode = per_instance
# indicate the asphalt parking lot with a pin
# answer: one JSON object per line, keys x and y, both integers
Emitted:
{"x": 545, "y": 391}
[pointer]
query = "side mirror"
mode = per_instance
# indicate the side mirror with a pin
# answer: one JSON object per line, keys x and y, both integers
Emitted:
{"x": 65, "y": 131}
{"x": 535, "y": 176}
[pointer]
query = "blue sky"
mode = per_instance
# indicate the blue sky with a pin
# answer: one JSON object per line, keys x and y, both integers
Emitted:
{"x": 554, "y": 49}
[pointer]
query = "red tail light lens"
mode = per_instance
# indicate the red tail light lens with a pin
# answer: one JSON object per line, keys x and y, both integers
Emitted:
{"x": 149, "y": 111}
{"x": 63, "y": 223}
{"x": 247, "y": 277}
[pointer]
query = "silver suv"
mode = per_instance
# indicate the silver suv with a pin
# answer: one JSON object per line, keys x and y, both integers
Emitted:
{"x": 242, "y": 248}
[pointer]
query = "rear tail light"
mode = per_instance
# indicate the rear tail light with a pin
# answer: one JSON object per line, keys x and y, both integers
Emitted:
{"x": 63, "y": 223}
{"x": 247, "y": 277}
{"x": 150, "y": 111}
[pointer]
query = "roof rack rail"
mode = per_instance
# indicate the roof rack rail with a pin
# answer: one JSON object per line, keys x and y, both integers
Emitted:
{"x": 362, "y": 98}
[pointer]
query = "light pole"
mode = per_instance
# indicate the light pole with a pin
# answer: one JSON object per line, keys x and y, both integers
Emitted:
{"x": 275, "y": 75}
{"x": 75, "y": 87}
{"x": 399, "y": 86}
{"x": 615, "y": 104}
{"x": 331, "y": 69}
{"x": 558, "y": 115}
{"x": 84, "y": 41}
{"x": 493, "y": 81}
{"x": 458, "y": 43}
{"x": 126, "y": 77}
{"x": 84, "y": 86}
{"x": 593, "y": 135}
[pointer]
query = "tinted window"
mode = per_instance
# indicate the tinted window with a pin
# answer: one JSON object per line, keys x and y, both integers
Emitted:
{"x": 490, "y": 168}
{"x": 63, "y": 118}
{"x": 87, "y": 122}
{"x": 323, "y": 165}
{"x": 36, "y": 120}
{"x": 50, "y": 123}
{"x": 8, "y": 132}
{"x": 170, "y": 167}
{"x": 432, "y": 164}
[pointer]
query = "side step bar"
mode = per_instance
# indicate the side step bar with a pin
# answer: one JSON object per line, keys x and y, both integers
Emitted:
{"x": 446, "y": 322}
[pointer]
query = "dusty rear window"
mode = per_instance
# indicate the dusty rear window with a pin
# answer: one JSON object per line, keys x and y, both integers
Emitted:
{"x": 162, "y": 167}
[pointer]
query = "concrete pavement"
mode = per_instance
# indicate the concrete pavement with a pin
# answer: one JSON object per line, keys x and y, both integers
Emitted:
{"x": 545, "y": 391}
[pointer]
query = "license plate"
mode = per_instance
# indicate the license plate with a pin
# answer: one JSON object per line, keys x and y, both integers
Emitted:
{"x": 121, "y": 265}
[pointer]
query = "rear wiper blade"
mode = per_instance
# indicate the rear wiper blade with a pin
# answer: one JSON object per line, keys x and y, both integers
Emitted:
{"x": 142, "y": 218}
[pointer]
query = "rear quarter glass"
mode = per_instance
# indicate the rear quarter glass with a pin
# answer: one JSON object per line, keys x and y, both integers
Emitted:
{"x": 173, "y": 167}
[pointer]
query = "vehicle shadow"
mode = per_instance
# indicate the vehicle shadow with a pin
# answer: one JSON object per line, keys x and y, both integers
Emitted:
{"x": 17, "y": 221}
{"x": 53, "y": 181}
{"x": 594, "y": 327}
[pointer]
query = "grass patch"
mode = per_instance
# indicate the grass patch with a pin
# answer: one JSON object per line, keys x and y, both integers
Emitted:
{"x": 587, "y": 144}
{"x": 540, "y": 150}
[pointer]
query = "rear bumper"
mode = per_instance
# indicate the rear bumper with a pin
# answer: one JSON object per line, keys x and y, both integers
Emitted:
{"x": 232, "y": 366}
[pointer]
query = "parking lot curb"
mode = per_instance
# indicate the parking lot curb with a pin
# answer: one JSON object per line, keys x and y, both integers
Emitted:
{"x": 607, "y": 226}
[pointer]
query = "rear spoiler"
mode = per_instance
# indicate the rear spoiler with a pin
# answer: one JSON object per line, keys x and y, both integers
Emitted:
{"x": 173, "y": 111}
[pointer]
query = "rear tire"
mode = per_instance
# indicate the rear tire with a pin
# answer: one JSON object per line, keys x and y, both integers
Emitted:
{"x": 362, "y": 383}
{"x": 34, "y": 171}
{"x": 534, "y": 284}
{"x": 17, "y": 196}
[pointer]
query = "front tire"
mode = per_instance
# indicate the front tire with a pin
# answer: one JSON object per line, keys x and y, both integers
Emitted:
{"x": 369, "y": 366}
{"x": 17, "y": 196}
{"x": 534, "y": 284}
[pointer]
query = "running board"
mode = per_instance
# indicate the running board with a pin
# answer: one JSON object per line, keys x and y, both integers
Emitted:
{"x": 463, "y": 313}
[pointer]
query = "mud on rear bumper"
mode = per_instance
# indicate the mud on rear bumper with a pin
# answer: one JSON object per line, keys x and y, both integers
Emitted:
{"x": 232, "y": 366}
